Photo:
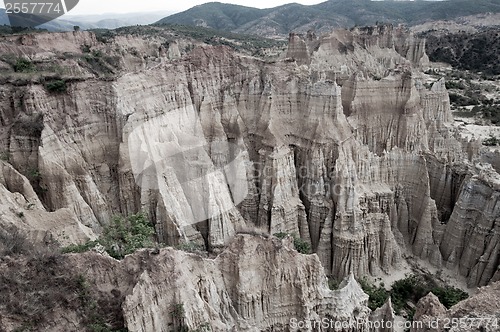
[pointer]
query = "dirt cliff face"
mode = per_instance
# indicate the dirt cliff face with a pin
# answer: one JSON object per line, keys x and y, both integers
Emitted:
{"x": 339, "y": 143}
{"x": 255, "y": 284}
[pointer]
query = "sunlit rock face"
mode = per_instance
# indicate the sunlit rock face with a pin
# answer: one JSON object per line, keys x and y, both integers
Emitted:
{"x": 339, "y": 143}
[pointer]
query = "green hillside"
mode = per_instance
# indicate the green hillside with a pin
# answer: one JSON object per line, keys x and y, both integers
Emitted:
{"x": 333, "y": 13}
{"x": 215, "y": 15}
{"x": 363, "y": 12}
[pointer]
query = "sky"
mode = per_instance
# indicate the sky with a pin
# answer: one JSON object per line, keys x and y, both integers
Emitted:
{"x": 130, "y": 6}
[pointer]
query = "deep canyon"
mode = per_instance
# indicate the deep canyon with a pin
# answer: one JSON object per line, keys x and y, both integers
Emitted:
{"x": 338, "y": 141}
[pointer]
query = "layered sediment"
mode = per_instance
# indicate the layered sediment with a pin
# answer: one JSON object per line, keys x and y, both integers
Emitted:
{"x": 339, "y": 143}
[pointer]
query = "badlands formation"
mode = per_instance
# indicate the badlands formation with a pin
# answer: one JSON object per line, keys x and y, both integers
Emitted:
{"x": 339, "y": 142}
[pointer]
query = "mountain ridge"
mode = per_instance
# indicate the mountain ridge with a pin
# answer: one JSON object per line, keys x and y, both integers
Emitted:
{"x": 279, "y": 21}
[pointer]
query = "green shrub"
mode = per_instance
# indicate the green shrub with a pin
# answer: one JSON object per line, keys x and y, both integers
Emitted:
{"x": 281, "y": 235}
{"x": 449, "y": 296}
{"x": 377, "y": 295}
{"x": 454, "y": 85}
{"x": 126, "y": 235}
{"x": 94, "y": 318}
{"x": 177, "y": 310}
{"x": 23, "y": 65}
{"x": 121, "y": 237}
{"x": 489, "y": 112}
{"x": 85, "y": 48}
{"x": 408, "y": 291}
{"x": 34, "y": 174}
{"x": 178, "y": 313}
{"x": 460, "y": 100}
{"x": 79, "y": 248}
{"x": 300, "y": 245}
{"x": 491, "y": 141}
{"x": 56, "y": 86}
{"x": 5, "y": 156}
{"x": 333, "y": 284}
{"x": 409, "y": 288}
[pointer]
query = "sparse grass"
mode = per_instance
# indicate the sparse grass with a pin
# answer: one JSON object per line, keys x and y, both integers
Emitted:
{"x": 13, "y": 243}
{"x": 8, "y": 30}
{"x": 100, "y": 64}
{"x": 29, "y": 125}
{"x": 249, "y": 44}
{"x": 79, "y": 248}
{"x": 190, "y": 247}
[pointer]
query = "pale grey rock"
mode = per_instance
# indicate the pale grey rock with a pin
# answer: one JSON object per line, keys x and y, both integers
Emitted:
{"x": 381, "y": 316}
{"x": 428, "y": 310}
{"x": 480, "y": 312}
{"x": 343, "y": 146}
{"x": 253, "y": 285}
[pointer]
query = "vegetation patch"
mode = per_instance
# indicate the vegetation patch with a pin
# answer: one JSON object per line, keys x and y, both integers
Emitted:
{"x": 300, "y": 245}
{"x": 99, "y": 63}
{"x": 24, "y": 65}
{"x": 36, "y": 287}
{"x": 478, "y": 52}
{"x": 56, "y": 86}
{"x": 489, "y": 112}
{"x": 190, "y": 247}
{"x": 405, "y": 294}
{"x": 492, "y": 141}
{"x": 377, "y": 295}
{"x": 121, "y": 237}
{"x": 29, "y": 125}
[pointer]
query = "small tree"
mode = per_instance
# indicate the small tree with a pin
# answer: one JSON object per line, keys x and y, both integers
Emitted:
{"x": 56, "y": 86}
{"x": 125, "y": 235}
{"x": 76, "y": 28}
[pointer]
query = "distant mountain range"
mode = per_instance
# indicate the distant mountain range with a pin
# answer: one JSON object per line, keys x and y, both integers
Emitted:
{"x": 104, "y": 21}
{"x": 279, "y": 21}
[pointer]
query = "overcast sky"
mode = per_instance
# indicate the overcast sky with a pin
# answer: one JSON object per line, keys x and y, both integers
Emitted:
{"x": 130, "y": 6}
